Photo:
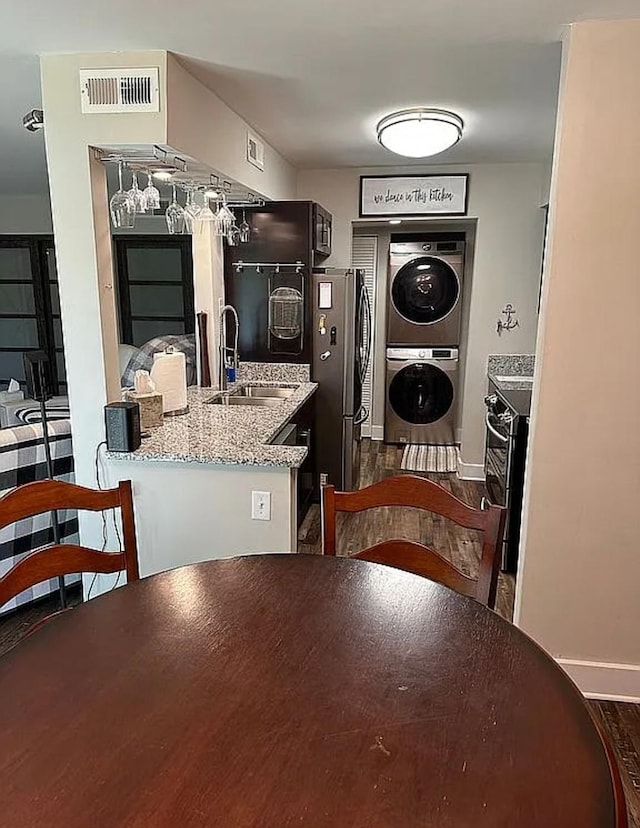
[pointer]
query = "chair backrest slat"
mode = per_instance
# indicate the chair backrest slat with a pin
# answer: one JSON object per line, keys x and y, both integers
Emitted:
{"x": 55, "y": 561}
{"x": 412, "y": 491}
{"x": 420, "y": 493}
{"x": 410, "y": 556}
{"x": 50, "y": 495}
{"x": 67, "y": 559}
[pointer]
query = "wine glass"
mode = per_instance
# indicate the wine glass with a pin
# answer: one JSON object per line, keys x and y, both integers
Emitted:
{"x": 191, "y": 211}
{"x": 174, "y": 215}
{"x": 137, "y": 196}
{"x": 233, "y": 236}
{"x": 122, "y": 208}
{"x": 244, "y": 229}
{"x": 206, "y": 215}
{"x": 151, "y": 194}
{"x": 224, "y": 219}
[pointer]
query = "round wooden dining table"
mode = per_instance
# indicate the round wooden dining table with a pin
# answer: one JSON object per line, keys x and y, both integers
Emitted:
{"x": 293, "y": 690}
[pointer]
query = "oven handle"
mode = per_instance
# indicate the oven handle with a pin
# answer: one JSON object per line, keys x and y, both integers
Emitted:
{"x": 493, "y": 431}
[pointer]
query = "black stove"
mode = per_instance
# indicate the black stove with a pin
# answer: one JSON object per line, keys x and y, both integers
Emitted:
{"x": 507, "y": 426}
{"x": 518, "y": 400}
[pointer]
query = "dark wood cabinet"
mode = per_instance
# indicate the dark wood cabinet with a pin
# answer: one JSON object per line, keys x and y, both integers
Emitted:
{"x": 300, "y": 431}
{"x": 322, "y": 231}
{"x": 281, "y": 232}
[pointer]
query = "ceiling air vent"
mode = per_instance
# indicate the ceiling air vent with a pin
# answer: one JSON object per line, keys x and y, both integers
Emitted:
{"x": 119, "y": 90}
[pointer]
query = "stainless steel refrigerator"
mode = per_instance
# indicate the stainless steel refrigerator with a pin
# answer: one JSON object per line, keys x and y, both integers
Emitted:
{"x": 341, "y": 351}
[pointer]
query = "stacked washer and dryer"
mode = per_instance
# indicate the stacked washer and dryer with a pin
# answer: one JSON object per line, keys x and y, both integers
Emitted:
{"x": 423, "y": 338}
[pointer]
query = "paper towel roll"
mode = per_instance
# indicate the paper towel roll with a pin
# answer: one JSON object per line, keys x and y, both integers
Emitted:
{"x": 169, "y": 375}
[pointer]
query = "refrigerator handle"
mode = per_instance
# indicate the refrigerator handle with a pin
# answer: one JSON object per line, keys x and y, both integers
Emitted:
{"x": 367, "y": 309}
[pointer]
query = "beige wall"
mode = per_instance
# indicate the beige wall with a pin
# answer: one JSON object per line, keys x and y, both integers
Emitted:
{"x": 579, "y": 582}
{"x": 203, "y": 127}
{"x": 505, "y": 199}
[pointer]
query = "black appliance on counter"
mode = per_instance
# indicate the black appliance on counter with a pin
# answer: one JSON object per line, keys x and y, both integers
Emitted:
{"x": 275, "y": 304}
{"x": 507, "y": 425}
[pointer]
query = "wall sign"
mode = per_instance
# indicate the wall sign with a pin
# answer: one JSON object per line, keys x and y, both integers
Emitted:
{"x": 413, "y": 195}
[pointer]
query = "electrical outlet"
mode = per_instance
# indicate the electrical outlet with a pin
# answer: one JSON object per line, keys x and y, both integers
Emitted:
{"x": 260, "y": 505}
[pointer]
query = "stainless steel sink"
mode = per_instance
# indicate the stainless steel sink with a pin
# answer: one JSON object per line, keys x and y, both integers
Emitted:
{"x": 236, "y": 399}
{"x": 263, "y": 392}
{"x": 258, "y": 395}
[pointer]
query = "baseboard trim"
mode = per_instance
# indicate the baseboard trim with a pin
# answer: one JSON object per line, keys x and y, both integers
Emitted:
{"x": 470, "y": 471}
{"x": 377, "y": 432}
{"x": 604, "y": 680}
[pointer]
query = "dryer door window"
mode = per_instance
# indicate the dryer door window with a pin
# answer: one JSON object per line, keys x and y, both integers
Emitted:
{"x": 425, "y": 290}
{"x": 421, "y": 394}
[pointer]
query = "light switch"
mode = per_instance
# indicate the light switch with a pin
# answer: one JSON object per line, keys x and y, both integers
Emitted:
{"x": 260, "y": 505}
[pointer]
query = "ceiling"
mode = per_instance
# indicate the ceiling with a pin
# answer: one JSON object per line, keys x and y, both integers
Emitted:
{"x": 314, "y": 78}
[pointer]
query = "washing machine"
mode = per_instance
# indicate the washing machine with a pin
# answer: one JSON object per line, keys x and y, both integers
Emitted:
{"x": 421, "y": 390}
{"x": 425, "y": 293}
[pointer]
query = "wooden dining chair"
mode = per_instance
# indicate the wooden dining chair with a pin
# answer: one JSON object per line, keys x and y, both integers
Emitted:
{"x": 420, "y": 493}
{"x": 66, "y": 559}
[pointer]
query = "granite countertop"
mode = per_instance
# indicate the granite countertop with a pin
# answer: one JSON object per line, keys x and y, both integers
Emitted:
{"x": 227, "y": 435}
{"x": 511, "y": 383}
{"x": 512, "y": 376}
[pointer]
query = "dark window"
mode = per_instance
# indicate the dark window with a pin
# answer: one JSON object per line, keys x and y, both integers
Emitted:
{"x": 29, "y": 307}
{"x": 155, "y": 287}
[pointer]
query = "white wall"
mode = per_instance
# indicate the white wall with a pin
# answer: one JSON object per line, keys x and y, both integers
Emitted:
{"x": 578, "y": 584}
{"x": 505, "y": 199}
{"x": 79, "y": 203}
{"x": 208, "y": 282}
{"x": 202, "y": 126}
{"x": 25, "y": 214}
{"x": 192, "y": 512}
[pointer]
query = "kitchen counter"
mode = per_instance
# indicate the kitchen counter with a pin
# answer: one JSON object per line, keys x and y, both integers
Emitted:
{"x": 511, "y": 376}
{"x": 197, "y": 478}
{"x": 225, "y": 435}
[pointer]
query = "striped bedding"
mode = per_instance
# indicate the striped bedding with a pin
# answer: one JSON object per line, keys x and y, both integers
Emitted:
{"x": 22, "y": 460}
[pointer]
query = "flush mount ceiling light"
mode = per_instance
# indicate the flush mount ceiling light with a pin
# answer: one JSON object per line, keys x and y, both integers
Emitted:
{"x": 163, "y": 175}
{"x": 420, "y": 132}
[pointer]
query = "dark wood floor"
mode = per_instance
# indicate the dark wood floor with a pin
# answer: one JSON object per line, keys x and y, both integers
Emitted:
{"x": 620, "y": 721}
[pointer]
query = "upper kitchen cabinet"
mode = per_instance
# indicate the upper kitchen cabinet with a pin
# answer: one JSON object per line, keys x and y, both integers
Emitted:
{"x": 322, "y": 231}
{"x": 274, "y": 304}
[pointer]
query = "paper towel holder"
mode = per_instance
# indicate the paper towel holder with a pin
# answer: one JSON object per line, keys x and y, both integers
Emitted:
{"x": 176, "y": 412}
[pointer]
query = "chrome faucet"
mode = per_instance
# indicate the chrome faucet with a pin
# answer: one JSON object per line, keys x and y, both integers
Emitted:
{"x": 227, "y": 357}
